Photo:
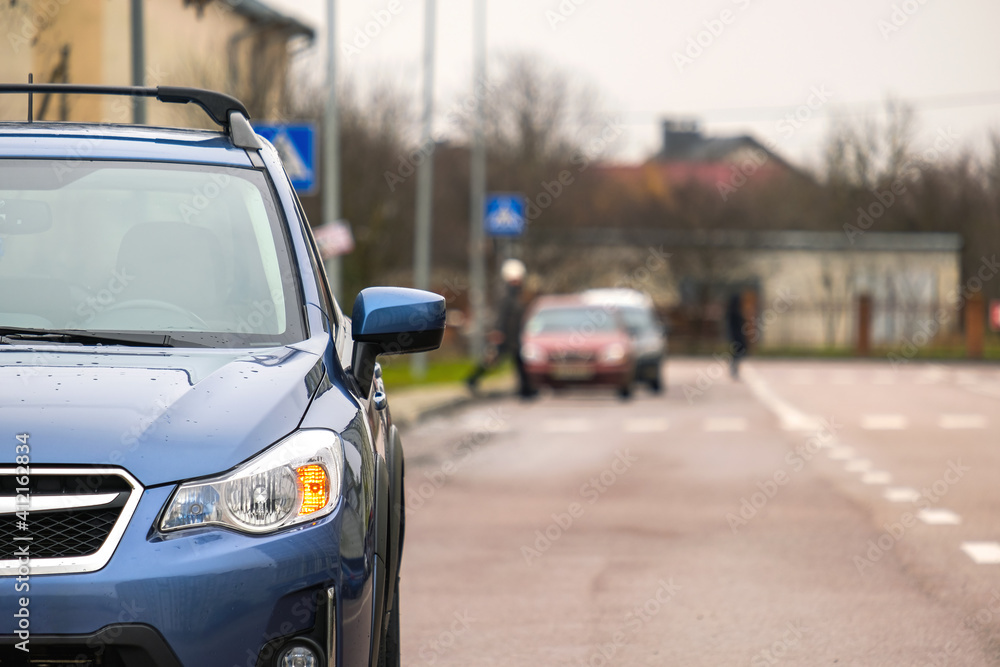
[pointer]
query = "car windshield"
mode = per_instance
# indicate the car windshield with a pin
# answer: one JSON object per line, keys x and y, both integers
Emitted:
{"x": 572, "y": 319}
{"x": 638, "y": 319}
{"x": 194, "y": 252}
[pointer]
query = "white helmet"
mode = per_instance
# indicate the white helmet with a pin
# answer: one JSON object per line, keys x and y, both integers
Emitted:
{"x": 512, "y": 271}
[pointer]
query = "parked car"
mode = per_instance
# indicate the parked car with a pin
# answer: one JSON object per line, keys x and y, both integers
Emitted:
{"x": 198, "y": 464}
{"x": 568, "y": 342}
{"x": 649, "y": 339}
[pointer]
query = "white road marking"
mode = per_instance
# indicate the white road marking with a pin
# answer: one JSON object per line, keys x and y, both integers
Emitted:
{"x": 884, "y": 422}
{"x": 485, "y": 422}
{"x": 884, "y": 379}
{"x": 791, "y": 418}
{"x": 966, "y": 378}
{"x": 982, "y": 553}
{"x": 939, "y": 517}
{"x": 566, "y": 425}
{"x": 992, "y": 392}
{"x": 931, "y": 376}
{"x": 858, "y": 465}
{"x": 842, "y": 379}
{"x": 841, "y": 453}
{"x": 962, "y": 421}
{"x": 646, "y": 425}
{"x": 725, "y": 424}
{"x": 901, "y": 494}
{"x": 876, "y": 477}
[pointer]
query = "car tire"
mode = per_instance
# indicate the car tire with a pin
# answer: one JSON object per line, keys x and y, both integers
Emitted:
{"x": 388, "y": 653}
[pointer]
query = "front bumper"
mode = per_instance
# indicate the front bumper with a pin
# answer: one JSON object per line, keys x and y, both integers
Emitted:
{"x": 199, "y": 597}
{"x": 590, "y": 373}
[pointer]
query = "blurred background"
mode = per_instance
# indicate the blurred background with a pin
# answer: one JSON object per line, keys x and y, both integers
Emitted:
{"x": 837, "y": 165}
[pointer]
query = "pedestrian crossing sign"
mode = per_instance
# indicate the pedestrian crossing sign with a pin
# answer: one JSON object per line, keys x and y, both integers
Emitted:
{"x": 505, "y": 214}
{"x": 296, "y": 144}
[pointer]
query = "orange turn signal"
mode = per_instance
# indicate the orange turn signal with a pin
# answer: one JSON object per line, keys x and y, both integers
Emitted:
{"x": 315, "y": 487}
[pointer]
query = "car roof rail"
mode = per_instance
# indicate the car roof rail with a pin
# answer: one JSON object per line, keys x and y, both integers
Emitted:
{"x": 225, "y": 110}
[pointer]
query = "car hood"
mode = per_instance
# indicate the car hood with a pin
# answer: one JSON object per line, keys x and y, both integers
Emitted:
{"x": 164, "y": 415}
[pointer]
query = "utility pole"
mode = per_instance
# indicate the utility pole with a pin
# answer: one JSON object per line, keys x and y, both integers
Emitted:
{"x": 331, "y": 146}
{"x": 477, "y": 177}
{"x": 425, "y": 178}
{"x": 138, "y": 62}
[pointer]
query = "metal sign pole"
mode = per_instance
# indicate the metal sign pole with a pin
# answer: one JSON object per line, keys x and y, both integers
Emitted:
{"x": 331, "y": 146}
{"x": 477, "y": 268}
{"x": 138, "y": 61}
{"x": 425, "y": 179}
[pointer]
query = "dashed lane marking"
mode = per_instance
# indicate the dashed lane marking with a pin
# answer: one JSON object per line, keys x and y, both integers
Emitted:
{"x": 939, "y": 517}
{"x": 566, "y": 425}
{"x": 962, "y": 421}
{"x": 982, "y": 553}
{"x": 646, "y": 425}
{"x": 931, "y": 376}
{"x": 901, "y": 494}
{"x": 884, "y": 422}
{"x": 841, "y": 453}
{"x": 725, "y": 424}
{"x": 876, "y": 477}
{"x": 858, "y": 465}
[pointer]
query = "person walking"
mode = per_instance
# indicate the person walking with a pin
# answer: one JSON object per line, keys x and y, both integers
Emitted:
{"x": 736, "y": 333}
{"x": 505, "y": 338}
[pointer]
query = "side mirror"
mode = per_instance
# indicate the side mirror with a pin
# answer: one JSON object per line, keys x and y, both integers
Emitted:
{"x": 393, "y": 320}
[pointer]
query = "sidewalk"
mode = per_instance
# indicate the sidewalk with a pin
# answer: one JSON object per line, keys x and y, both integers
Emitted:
{"x": 411, "y": 404}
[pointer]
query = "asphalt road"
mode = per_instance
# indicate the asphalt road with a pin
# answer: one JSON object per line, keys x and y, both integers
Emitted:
{"x": 814, "y": 513}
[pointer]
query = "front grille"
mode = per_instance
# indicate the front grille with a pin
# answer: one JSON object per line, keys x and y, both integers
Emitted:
{"x": 47, "y": 483}
{"x": 73, "y": 522}
{"x": 59, "y": 534}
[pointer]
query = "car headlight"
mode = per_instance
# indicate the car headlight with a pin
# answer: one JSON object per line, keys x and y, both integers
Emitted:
{"x": 294, "y": 481}
{"x": 613, "y": 353}
{"x": 531, "y": 352}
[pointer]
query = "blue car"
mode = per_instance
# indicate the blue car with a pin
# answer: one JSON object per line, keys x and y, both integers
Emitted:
{"x": 197, "y": 462}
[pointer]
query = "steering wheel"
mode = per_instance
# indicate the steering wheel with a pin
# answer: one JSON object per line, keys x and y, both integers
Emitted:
{"x": 156, "y": 304}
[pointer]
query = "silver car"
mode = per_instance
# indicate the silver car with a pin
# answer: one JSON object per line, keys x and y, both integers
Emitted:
{"x": 649, "y": 338}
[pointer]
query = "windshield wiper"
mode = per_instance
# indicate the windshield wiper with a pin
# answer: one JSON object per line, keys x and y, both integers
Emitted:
{"x": 10, "y": 334}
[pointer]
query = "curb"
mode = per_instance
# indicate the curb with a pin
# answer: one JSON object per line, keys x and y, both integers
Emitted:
{"x": 458, "y": 396}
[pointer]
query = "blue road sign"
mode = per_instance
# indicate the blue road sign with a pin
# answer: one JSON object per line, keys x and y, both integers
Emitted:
{"x": 296, "y": 144}
{"x": 505, "y": 214}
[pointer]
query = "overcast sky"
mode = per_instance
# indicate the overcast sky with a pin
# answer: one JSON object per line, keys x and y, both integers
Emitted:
{"x": 765, "y": 59}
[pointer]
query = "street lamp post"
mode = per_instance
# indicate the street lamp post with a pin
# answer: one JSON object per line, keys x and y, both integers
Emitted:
{"x": 425, "y": 177}
{"x": 477, "y": 175}
{"x": 138, "y": 61}
{"x": 331, "y": 146}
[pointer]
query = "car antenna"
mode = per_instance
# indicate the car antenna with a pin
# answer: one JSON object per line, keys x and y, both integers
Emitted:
{"x": 31, "y": 79}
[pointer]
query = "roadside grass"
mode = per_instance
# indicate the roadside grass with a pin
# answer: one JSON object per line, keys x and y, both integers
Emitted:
{"x": 440, "y": 370}
{"x": 445, "y": 368}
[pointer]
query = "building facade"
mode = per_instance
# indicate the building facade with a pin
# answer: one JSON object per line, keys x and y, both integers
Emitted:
{"x": 242, "y": 47}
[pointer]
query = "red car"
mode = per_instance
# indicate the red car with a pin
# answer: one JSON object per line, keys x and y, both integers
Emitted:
{"x": 567, "y": 342}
